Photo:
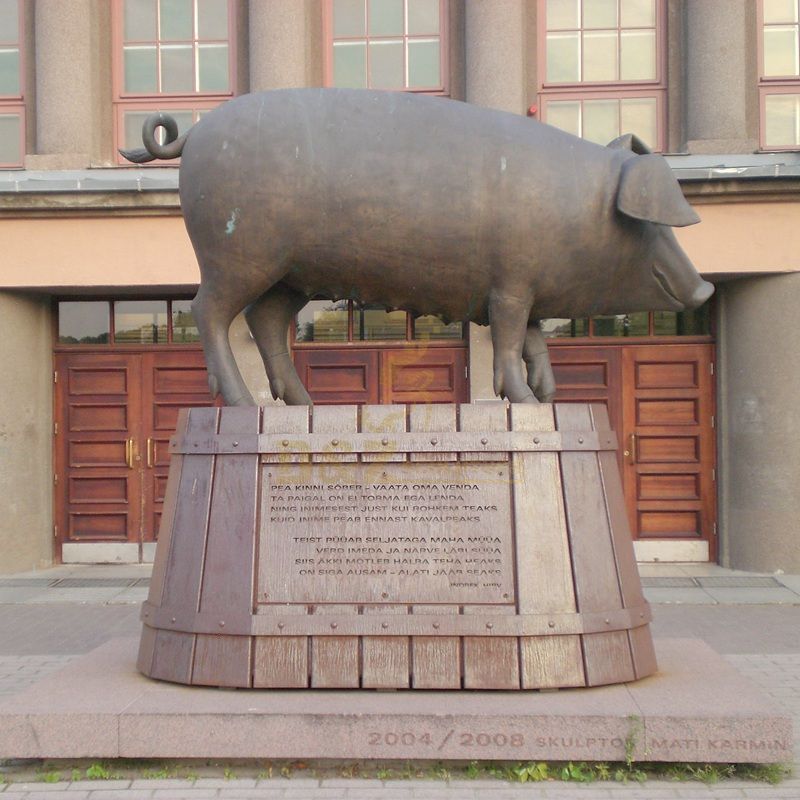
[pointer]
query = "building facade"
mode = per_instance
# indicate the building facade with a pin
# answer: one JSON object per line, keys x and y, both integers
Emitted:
{"x": 98, "y": 347}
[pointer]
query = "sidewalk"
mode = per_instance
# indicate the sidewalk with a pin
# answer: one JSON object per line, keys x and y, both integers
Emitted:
{"x": 47, "y": 618}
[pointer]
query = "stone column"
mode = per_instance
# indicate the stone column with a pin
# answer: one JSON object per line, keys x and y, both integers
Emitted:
{"x": 495, "y": 54}
{"x": 63, "y": 95}
{"x": 721, "y": 76}
{"x": 495, "y": 66}
{"x": 278, "y": 45}
{"x": 759, "y": 430}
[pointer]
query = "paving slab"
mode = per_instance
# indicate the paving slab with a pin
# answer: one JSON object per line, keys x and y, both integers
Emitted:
{"x": 697, "y": 707}
{"x": 686, "y": 595}
{"x": 790, "y": 582}
{"x": 756, "y": 595}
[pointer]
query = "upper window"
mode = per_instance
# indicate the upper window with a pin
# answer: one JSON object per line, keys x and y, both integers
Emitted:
{"x": 139, "y": 322}
{"x": 641, "y": 323}
{"x": 12, "y": 108}
{"x": 780, "y": 73}
{"x": 386, "y": 44}
{"x": 601, "y": 70}
{"x": 171, "y": 55}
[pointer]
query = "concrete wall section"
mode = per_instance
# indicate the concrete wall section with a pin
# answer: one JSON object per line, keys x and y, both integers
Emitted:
{"x": 743, "y": 237}
{"x": 481, "y": 360}
{"x": 97, "y": 252}
{"x": 759, "y": 413}
{"x": 26, "y": 425}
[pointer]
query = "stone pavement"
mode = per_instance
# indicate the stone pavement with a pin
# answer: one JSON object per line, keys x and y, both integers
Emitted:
{"x": 49, "y": 617}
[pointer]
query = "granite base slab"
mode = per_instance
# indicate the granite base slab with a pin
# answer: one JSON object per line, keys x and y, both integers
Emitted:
{"x": 696, "y": 708}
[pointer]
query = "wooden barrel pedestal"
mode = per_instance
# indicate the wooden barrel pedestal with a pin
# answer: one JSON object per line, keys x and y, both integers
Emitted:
{"x": 477, "y": 546}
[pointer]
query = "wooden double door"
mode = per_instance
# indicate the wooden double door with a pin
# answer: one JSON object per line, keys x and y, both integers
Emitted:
{"x": 116, "y": 410}
{"x": 660, "y": 400}
{"x": 115, "y": 413}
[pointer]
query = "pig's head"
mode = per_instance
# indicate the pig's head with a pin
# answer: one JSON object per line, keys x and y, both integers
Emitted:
{"x": 650, "y": 202}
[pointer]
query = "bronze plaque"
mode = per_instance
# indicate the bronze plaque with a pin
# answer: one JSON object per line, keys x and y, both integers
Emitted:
{"x": 386, "y": 533}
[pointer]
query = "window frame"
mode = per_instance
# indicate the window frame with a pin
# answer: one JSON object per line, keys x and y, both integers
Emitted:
{"x": 352, "y": 341}
{"x": 444, "y": 50}
{"x": 592, "y": 337}
{"x": 110, "y": 302}
{"x": 11, "y": 104}
{"x": 195, "y": 102}
{"x": 772, "y": 85}
{"x": 611, "y": 90}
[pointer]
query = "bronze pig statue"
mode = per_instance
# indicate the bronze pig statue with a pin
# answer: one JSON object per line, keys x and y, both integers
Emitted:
{"x": 418, "y": 203}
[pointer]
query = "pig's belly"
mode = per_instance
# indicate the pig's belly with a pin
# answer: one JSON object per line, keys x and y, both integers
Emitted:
{"x": 420, "y": 290}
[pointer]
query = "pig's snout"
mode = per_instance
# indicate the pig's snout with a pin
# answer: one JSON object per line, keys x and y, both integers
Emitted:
{"x": 701, "y": 294}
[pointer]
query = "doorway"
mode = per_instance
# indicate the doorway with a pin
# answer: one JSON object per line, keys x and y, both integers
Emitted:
{"x": 115, "y": 414}
{"x": 660, "y": 400}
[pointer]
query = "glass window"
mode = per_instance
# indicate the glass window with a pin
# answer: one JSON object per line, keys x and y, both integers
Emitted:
{"x": 637, "y": 324}
{"x": 643, "y": 323}
{"x": 184, "y": 327}
{"x": 600, "y": 41}
{"x": 10, "y": 139}
{"x": 387, "y": 44}
{"x": 349, "y": 321}
{"x": 12, "y": 108}
{"x": 177, "y": 50}
{"x": 373, "y": 322}
{"x": 83, "y": 322}
{"x": 135, "y": 322}
{"x": 433, "y": 328}
{"x": 322, "y": 321}
{"x": 599, "y": 58}
{"x": 140, "y": 322}
{"x": 683, "y": 323}
{"x": 602, "y": 120}
{"x": 780, "y": 74}
{"x": 564, "y": 328}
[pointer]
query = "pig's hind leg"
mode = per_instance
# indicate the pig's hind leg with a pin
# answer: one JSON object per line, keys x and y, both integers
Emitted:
{"x": 540, "y": 371}
{"x": 509, "y": 312}
{"x": 214, "y": 308}
{"x": 269, "y": 319}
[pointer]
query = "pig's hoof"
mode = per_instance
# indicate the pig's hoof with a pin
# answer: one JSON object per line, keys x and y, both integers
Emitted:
{"x": 278, "y": 388}
{"x": 242, "y": 402}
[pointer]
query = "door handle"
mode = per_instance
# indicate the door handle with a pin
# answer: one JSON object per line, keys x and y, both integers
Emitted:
{"x": 151, "y": 452}
{"x": 630, "y": 453}
{"x": 129, "y": 450}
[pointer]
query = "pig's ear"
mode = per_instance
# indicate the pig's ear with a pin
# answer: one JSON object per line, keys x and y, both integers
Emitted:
{"x": 648, "y": 190}
{"x": 630, "y": 141}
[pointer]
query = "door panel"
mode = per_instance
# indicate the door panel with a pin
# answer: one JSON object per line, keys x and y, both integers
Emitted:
{"x": 339, "y": 376}
{"x": 383, "y": 375}
{"x": 98, "y": 409}
{"x": 589, "y": 375}
{"x": 660, "y": 403}
{"x": 115, "y": 413}
{"x": 170, "y": 381}
{"x": 668, "y": 471}
{"x": 437, "y": 375}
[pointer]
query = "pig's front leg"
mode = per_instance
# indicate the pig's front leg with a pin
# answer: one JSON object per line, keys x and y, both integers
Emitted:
{"x": 540, "y": 372}
{"x": 509, "y": 312}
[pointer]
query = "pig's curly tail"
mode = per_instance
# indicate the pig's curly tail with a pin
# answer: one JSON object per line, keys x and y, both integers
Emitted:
{"x": 153, "y": 149}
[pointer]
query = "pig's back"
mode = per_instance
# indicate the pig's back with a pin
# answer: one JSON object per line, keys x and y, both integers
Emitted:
{"x": 395, "y": 198}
